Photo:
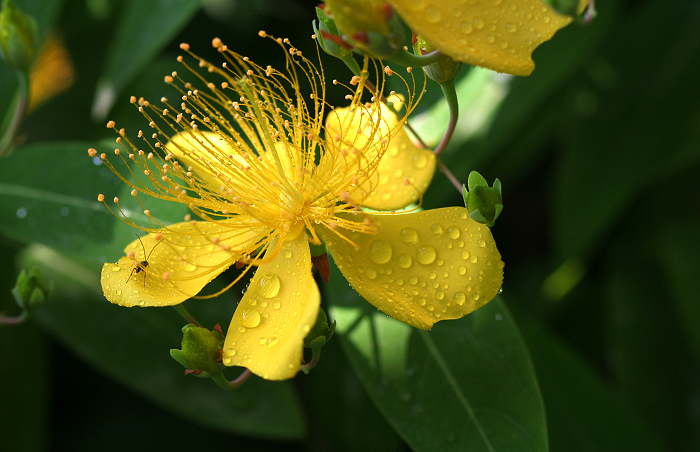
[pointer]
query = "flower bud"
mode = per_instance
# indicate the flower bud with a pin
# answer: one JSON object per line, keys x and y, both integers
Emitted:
{"x": 484, "y": 203}
{"x": 440, "y": 71}
{"x": 18, "y": 36}
{"x": 321, "y": 333}
{"x": 201, "y": 350}
{"x": 31, "y": 289}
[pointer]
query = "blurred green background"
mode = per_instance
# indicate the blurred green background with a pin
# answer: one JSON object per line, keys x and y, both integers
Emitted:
{"x": 597, "y": 151}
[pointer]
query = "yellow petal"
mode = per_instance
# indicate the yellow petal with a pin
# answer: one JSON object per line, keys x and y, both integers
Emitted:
{"x": 421, "y": 267}
{"x": 404, "y": 172}
{"x": 499, "y": 35}
{"x": 276, "y": 313}
{"x": 186, "y": 254}
{"x": 205, "y": 152}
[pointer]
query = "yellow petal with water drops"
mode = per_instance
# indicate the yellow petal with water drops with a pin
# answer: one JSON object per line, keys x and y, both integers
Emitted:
{"x": 404, "y": 172}
{"x": 421, "y": 267}
{"x": 187, "y": 257}
{"x": 274, "y": 316}
{"x": 496, "y": 34}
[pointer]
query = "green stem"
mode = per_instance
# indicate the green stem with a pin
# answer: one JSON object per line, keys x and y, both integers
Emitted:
{"x": 315, "y": 358}
{"x": 19, "y": 103}
{"x": 186, "y": 315}
{"x": 448, "y": 89}
{"x": 409, "y": 59}
{"x": 457, "y": 184}
{"x": 14, "y": 320}
{"x": 220, "y": 379}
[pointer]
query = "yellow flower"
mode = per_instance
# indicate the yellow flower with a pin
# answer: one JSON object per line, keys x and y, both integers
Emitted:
{"x": 496, "y": 34}
{"x": 266, "y": 177}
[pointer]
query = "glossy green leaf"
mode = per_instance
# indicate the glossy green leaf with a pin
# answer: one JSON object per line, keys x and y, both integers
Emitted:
{"x": 466, "y": 384}
{"x": 132, "y": 346}
{"x": 582, "y": 413}
{"x": 137, "y": 42}
{"x": 49, "y": 192}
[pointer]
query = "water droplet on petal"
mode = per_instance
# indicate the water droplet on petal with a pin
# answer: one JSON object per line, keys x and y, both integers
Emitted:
{"x": 405, "y": 261}
{"x": 287, "y": 254}
{"x": 426, "y": 254}
{"x": 466, "y": 28}
{"x": 422, "y": 301}
{"x": 436, "y": 229}
{"x": 118, "y": 291}
{"x": 116, "y": 268}
{"x": 408, "y": 235}
{"x": 272, "y": 342}
{"x": 474, "y": 260}
{"x": 453, "y": 232}
{"x": 188, "y": 266}
{"x": 481, "y": 243}
{"x": 276, "y": 305}
{"x": 459, "y": 298}
{"x": 250, "y": 318}
{"x": 371, "y": 273}
{"x": 420, "y": 161}
{"x": 475, "y": 296}
{"x": 269, "y": 285}
{"x": 380, "y": 252}
{"x": 432, "y": 14}
{"x": 465, "y": 255}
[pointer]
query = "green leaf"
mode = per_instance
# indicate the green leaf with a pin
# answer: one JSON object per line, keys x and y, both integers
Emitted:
{"x": 132, "y": 346}
{"x": 465, "y": 385}
{"x": 144, "y": 30}
{"x": 582, "y": 413}
{"x": 49, "y": 191}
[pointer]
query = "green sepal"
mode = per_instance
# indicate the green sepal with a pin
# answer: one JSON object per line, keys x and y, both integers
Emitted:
{"x": 31, "y": 290}
{"x": 18, "y": 36}
{"x": 201, "y": 350}
{"x": 327, "y": 25}
{"x": 444, "y": 69}
{"x": 321, "y": 333}
{"x": 484, "y": 203}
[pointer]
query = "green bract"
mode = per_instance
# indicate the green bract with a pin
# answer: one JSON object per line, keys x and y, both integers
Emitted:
{"x": 484, "y": 203}
{"x": 201, "y": 350}
{"x": 17, "y": 36}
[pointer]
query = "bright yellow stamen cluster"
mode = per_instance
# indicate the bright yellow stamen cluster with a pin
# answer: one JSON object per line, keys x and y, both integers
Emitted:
{"x": 250, "y": 155}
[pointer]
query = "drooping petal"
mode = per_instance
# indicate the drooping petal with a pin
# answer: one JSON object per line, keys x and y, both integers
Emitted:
{"x": 421, "y": 267}
{"x": 274, "y": 316}
{"x": 404, "y": 171}
{"x": 189, "y": 254}
{"x": 498, "y": 35}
